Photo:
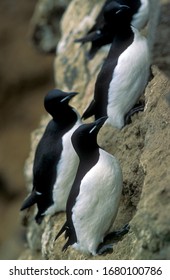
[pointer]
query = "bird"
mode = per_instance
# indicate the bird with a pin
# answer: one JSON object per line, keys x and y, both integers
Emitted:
{"x": 94, "y": 198}
{"x": 55, "y": 161}
{"x": 103, "y": 31}
{"x": 124, "y": 73}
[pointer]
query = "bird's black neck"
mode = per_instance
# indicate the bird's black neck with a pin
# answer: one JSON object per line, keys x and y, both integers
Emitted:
{"x": 65, "y": 119}
{"x": 123, "y": 38}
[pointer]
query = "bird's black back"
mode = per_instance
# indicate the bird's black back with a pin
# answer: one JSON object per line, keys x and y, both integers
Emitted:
{"x": 87, "y": 149}
{"x": 83, "y": 168}
{"x": 47, "y": 156}
{"x": 100, "y": 22}
{"x": 119, "y": 45}
{"x": 123, "y": 39}
{"x": 103, "y": 32}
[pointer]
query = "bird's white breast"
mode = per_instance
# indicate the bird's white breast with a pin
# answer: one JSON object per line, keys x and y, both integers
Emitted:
{"x": 66, "y": 172}
{"x": 129, "y": 80}
{"x": 97, "y": 203}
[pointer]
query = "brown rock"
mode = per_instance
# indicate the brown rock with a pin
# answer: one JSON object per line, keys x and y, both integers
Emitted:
{"x": 45, "y": 27}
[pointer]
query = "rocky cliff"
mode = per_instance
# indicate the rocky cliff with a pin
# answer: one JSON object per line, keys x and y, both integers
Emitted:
{"x": 142, "y": 147}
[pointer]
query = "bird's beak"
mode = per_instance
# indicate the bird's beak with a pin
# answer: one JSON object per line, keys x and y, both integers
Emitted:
{"x": 98, "y": 124}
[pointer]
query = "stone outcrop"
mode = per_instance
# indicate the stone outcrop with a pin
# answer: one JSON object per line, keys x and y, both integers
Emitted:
{"x": 44, "y": 27}
{"x": 142, "y": 147}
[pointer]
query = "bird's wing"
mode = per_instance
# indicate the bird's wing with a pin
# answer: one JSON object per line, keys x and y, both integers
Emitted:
{"x": 90, "y": 111}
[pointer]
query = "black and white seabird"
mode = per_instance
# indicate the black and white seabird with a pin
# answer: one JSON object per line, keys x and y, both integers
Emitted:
{"x": 95, "y": 195}
{"x": 103, "y": 32}
{"x": 124, "y": 74}
{"x": 55, "y": 161}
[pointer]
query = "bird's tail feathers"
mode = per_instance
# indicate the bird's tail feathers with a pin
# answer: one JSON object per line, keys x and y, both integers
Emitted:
{"x": 90, "y": 111}
{"x": 29, "y": 201}
{"x": 66, "y": 246}
{"x": 63, "y": 229}
{"x": 68, "y": 235}
{"x": 39, "y": 217}
{"x": 90, "y": 37}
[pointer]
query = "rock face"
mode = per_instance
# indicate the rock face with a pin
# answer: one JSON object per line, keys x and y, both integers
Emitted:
{"x": 142, "y": 147}
{"x": 45, "y": 29}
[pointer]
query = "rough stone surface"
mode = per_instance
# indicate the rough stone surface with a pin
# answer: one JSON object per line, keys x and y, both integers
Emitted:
{"x": 44, "y": 28}
{"x": 142, "y": 147}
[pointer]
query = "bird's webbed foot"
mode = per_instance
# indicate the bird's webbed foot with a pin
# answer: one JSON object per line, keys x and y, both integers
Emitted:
{"x": 113, "y": 237}
{"x": 137, "y": 108}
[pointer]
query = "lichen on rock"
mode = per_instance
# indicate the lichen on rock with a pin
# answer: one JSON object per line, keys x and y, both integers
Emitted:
{"x": 142, "y": 147}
